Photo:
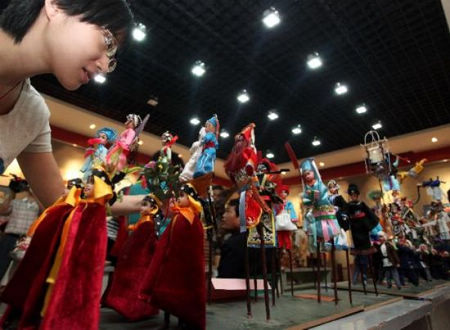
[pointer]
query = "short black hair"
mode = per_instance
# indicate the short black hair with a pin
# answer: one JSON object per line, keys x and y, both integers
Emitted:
{"x": 234, "y": 203}
{"x": 18, "y": 185}
{"x": 115, "y": 15}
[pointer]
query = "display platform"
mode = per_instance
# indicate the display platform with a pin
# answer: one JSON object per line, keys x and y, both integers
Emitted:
{"x": 410, "y": 291}
{"x": 289, "y": 312}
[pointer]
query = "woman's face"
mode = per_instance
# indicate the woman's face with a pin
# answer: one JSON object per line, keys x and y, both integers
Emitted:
{"x": 77, "y": 50}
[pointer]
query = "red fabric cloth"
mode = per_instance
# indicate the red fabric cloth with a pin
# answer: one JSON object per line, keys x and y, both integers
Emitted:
{"x": 75, "y": 300}
{"x": 26, "y": 290}
{"x": 133, "y": 261}
{"x": 284, "y": 239}
{"x": 175, "y": 280}
{"x": 122, "y": 236}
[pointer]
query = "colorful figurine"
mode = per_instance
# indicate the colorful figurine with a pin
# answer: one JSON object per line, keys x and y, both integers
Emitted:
{"x": 205, "y": 163}
{"x": 315, "y": 194}
{"x": 134, "y": 259}
{"x": 196, "y": 151}
{"x": 95, "y": 154}
{"x": 116, "y": 159}
{"x": 165, "y": 154}
{"x": 175, "y": 279}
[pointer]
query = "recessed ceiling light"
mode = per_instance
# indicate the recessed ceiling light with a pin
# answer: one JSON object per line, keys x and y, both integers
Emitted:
{"x": 92, "y": 126}
{"x": 296, "y": 130}
{"x": 271, "y": 18}
{"x": 321, "y": 164}
{"x": 243, "y": 96}
{"x": 198, "y": 69}
{"x": 139, "y": 32}
{"x": 316, "y": 142}
{"x": 153, "y": 101}
{"x": 270, "y": 155}
{"x": 314, "y": 61}
{"x": 272, "y": 115}
{"x": 434, "y": 139}
{"x": 224, "y": 134}
{"x": 377, "y": 125}
{"x": 445, "y": 160}
{"x": 140, "y": 142}
{"x": 283, "y": 172}
{"x": 75, "y": 145}
{"x": 360, "y": 109}
{"x": 340, "y": 89}
{"x": 180, "y": 155}
{"x": 195, "y": 121}
{"x": 100, "y": 78}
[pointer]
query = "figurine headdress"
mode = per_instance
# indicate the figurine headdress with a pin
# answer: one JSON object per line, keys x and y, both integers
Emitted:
{"x": 215, "y": 122}
{"x": 193, "y": 197}
{"x": 111, "y": 134}
{"x": 135, "y": 119}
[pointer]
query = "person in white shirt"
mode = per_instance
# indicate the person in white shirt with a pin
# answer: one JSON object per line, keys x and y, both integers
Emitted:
{"x": 74, "y": 40}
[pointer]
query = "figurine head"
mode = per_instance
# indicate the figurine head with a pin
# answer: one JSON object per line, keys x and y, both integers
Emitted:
{"x": 133, "y": 121}
{"x": 309, "y": 171}
{"x": 150, "y": 204}
{"x": 333, "y": 187}
{"x": 188, "y": 197}
{"x": 353, "y": 191}
{"x": 108, "y": 135}
{"x": 283, "y": 191}
{"x": 212, "y": 124}
{"x": 166, "y": 138}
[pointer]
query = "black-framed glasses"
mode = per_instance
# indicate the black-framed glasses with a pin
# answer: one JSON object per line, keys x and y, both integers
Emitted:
{"x": 111, "y": 49}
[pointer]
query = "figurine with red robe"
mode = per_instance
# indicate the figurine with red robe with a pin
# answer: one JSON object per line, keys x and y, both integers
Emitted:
{"x": 134, "y": 259}
{"x": 175, "y": 280}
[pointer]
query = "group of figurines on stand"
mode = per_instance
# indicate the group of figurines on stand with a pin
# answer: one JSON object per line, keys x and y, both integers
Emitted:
{"x": 159, "y": 260}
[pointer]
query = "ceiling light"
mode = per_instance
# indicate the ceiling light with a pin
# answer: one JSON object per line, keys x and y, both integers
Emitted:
{"x": 92, "y": 126}
{"x": 180, "y": 155}
{"x": 100, "y": 78}
{"x": 272, "y": 115}
{"x": 314, "y": 61}
{"x": 445, "y": 160}
{"x": 296, "y": 130}
{"x": 361, "y": 109}
{"x": 271, "y": 17}
{"x": 198, "y": 69}
{"x": 139, "y": 32}
{"x": 316, "y": 142}
{"x": 434, "y": 139}
{"x": 270, "y": 155}
{"x": 140, "y": 142}
{"x": 224, "y": 134}
{"x": 153, "y": 101}
{"x": 195, "y": 121}
{"x": 321, "y": 164}
{"x": 340, "y": 89}
{"x": 75, "y": 145}
{"x": 243, "y": 96}
{"x": 283, "y": 172}
{"x": 377, "y": 125}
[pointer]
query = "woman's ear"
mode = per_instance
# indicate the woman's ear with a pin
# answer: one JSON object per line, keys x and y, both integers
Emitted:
{"x": 51, "y": 9}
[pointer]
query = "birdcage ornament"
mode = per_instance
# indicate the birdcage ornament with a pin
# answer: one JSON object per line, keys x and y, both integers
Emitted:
{"x": 377, "y": 158}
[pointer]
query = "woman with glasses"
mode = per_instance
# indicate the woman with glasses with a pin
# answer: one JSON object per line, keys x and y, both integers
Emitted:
{"x": 74, "y": 41}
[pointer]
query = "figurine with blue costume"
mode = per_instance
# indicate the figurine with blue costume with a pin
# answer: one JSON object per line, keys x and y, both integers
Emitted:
{"x": 205, "y": 163}
{"x": 315, "y": 196}
{"x": 95, "y": 154}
